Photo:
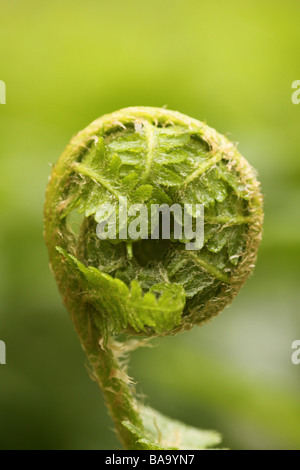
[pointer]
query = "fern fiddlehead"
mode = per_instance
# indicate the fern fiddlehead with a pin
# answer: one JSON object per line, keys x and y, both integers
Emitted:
{"x": 145, "y": 287}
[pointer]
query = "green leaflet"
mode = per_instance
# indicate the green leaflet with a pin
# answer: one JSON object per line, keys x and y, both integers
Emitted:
{"x": 122, "y": 307}
{"x": 160, "y": 432}
{"x": 232, "y": 178}
{"x": 166, "y": 176}
{"x": 142, "y": 194}
{"x": 193, "y": 278}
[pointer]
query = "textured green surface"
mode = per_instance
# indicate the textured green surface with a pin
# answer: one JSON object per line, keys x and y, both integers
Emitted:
{"x": 160, "y": 432}
{"x": 154, "y": 156}
{"x": 121, "y": 307}
{"x": 158, "y": 287}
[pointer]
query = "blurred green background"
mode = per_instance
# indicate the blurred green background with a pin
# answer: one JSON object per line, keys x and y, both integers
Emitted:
{"x": 230, "y": 64}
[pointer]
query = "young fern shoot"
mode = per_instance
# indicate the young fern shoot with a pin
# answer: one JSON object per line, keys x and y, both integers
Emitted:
{"x": 146, "y": 287}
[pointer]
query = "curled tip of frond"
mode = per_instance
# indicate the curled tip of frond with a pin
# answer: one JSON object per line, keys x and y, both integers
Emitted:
{"x": 152, "y": 155}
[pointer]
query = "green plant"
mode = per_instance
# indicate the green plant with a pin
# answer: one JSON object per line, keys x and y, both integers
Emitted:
{"x": 120, "y": 293}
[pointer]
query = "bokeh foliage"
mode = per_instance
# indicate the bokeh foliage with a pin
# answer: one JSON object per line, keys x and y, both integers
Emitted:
{"x": 228, "y": 63}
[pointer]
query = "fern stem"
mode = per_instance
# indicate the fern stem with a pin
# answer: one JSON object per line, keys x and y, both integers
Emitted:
{"x": 106, "y": 368}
